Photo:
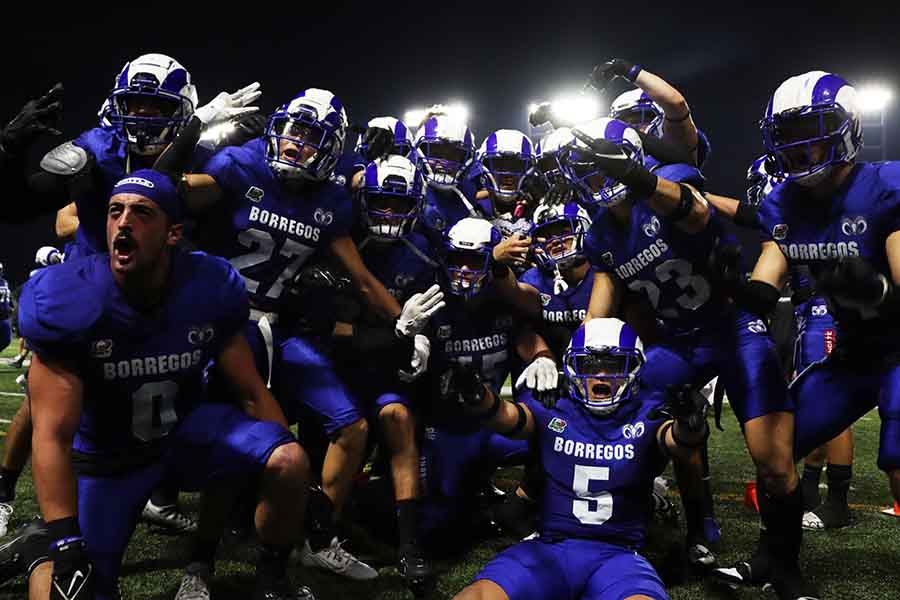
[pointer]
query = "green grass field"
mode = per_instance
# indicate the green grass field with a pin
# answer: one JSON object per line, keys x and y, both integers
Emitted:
{"x": 861, "y": 562}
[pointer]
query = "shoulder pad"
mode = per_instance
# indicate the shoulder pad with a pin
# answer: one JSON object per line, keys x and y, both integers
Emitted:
{"x": 65, "y": 159}
{"x": 889, "y": 173}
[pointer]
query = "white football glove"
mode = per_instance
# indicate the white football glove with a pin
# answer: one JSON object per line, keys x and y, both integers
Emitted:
{"x": 418, "y": 310}
{"x": 419, "y": 363}
{"x": 225, "y": 106}
{"x": 541, "y": 375}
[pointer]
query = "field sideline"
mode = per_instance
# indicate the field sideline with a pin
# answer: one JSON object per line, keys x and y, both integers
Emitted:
{"x": 861, "y": 562}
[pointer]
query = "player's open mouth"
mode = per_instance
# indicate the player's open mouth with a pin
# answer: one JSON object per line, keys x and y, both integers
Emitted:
{"x": 601, "y": 390}
{"x": 290, "y": 153}
{"x": 124, "y": 248}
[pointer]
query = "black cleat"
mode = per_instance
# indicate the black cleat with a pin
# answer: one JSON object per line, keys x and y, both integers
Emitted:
{"x": 756, "y": 572}
{"x": 829, "y": 515}
{"x": 281, "y": 590}
{"x": 24, "y": 549}
{"x": 790, "y": 584}
{"x": 414, "y": 569}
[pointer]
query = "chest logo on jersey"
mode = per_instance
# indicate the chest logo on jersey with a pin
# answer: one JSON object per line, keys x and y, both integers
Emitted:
{"x": 756, "y": 326}
{"x": 651, "y": 228}
{"x": 444, "y": 332}
{"x": 819, "y": 310}
{"x": 101, "y": 349}
{"x": 632, "y": 432}
{"x": 556, "y": 424}
{"x": 323, "y": 217}
{"x": 854, "y": 225}
{"x": 201, "y": 335}
{"x": 780, "y": 232}
{"x": 254, "y": 194}
{"x": 608, "y": 259}
{"x": 545, "y": 299}
{"x": 339, "y": 179}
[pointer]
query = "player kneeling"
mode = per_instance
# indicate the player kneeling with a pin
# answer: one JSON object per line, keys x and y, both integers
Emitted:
{"x": 115, "y": 390}
{"x": 601, "y": 446}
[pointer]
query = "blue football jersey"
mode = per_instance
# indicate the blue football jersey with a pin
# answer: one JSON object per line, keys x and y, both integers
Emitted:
{"x": 5, "y": 299}
{"x": 405, "y": 267}
{"x": 599, "y": 470}
{"x": 652, "y": 256}
{"x": 110, "y": 155}
{"x": 269, "y": 230}
{"x": 565, "y": 310}
{"x": 855, "y": 221}
{"x": 445, "y": 208}
{"x": 141, "y": 371}
{"x": 482, "y": 335}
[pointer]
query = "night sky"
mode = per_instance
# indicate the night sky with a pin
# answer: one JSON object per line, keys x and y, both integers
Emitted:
{"x": 497, "y": 57}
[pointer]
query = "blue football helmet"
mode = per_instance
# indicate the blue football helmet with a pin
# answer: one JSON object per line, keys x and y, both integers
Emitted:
{"x": 603, "y": 364}
{"x": 558, "y": 235}
{"x": 812, "y": 123}
{"x": 392, "y": 196}
{"x": 306, "y": 136}
{"x": 403, "y": 138}
{"x": 548, "y": 151}
{"x": 467, "y": 256}
{"x": 152, "y": 99}
{"x": 581, "y": 169}
{"x": 507, "y": 159}
{"x": 448, "y": 149}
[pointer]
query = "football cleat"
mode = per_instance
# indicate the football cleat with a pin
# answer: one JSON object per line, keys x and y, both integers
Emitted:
{"x": 194, "y": 583}
{"x": 169, "y": 516}
{"x": 829, "y": 515}
{"x": 25, "y": 550}
{"x": 700, "y": 557}
{"x": 336, "y": 559}
{"x": 757, "y": 572}
{"x": 281, "y": 590}
{"x": 414, "y": 569}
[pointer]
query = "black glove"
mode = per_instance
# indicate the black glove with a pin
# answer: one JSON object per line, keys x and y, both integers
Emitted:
{"x": 854, "y": 283}
{"x": 73, "y": 573}
{"x": 36, "y": 117}
{"x": 462, "y": 385}
{"x": 312, "y": 300}
{"x": 542, "y": 113}
{"x": 687, "y": 406}
{"x": 246, "y": 128}
{"x": 725, "y": 266}
{"x": 610, "y": 158}
{"x": 377, "y": 142}
{"x": 609, "y": 70}
{"x": 560, "y": 192}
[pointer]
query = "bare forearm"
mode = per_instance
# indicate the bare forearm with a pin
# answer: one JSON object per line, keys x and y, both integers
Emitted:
{"x": 379, "y": 299}
{"x": 53, "y": 475}
{"x": 668, "y": 199}
{"x": 523, "y": 297}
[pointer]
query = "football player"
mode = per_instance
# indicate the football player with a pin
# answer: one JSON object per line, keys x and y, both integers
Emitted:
{"x": 655, "y": 107}
{"x": 115, "y": 388}
{"x": 601, "y": 446}
{"x": 657, "y": 239}
{"x": 276, "y": 206}
{"x": 836, "y": 218}
{"x": 378, "y": 365}
{"x": 476, "y": 328}
{"x": 447, "y": 148}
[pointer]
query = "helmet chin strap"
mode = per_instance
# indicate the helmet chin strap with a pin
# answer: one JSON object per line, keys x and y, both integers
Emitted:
{"x": 814, "y": 179}
{"x": 559, "y": 283}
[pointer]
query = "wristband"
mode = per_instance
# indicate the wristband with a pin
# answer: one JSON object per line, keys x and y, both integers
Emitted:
{"x": 633, "y": 72}
{"x": 60, "y": 529}
{"x": 685, "y": 205}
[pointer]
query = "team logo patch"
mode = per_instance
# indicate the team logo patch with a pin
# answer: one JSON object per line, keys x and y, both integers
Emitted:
{"x": 819, "y": 310}
{"x": 757, "y": 326}
{"x": 780, "y": 231}
{"x": 339, "y": 179}
{"x": 854, "y": 225}
{"x": 201, "y": 335}
{"x": 102, "y": 348}
{"x": 651, "y": 228}
{"x": 556, "y": 424}
{"x": 545, "y": 299}
{"x": 444, "y": 332}
{"x": 632, "y": 432}
{"x": 607, "y": 259}
{"x": 137, "y": 181}
{"x": 323, "y": 217}
{"x": 254, "y": 194}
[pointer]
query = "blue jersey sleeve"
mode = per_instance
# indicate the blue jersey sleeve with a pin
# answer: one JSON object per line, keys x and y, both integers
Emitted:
{"x": 767, "y": 215}
{"x": 595, "y": 248}
{"x": 224, "y": 167}
{"x": 890, "y": 176}
{"x": 341, "y": 206}
{"x": 53, "y": 324}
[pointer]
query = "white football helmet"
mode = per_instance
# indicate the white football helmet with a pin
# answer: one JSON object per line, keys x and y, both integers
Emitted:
{"x": 507, "y": 158}
{"x": 548, "y": 151}
{"x": 392, "y": 196}
{"x": 467, "y": 255}
{"x": 812, "y": 123}
{"x": 603, "y": 364}
{"x": 447, "y": 146}
{"x": 306, "y": 136}
{"x": 637, "y": 109}
{"x": 558, "y": 234}
{"x": 403, "y": 137}
{"x": 152, "y": 98}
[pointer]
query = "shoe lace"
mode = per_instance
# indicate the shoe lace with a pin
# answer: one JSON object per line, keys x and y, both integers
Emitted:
{"x": 194, "y": 585}
{"x": 172, "y": 512}
{"x": 6, "y": 510}
{"x": 338, "y": 554}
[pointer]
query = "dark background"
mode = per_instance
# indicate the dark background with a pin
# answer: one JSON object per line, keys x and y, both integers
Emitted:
{"x": 497, "y": 57}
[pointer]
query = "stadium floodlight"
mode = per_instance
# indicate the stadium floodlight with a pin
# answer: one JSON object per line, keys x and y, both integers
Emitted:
{"x": 414, "y": 116}
{"x": 458, "y": 110}
{"x": 575, "y": 108}
{"x": 874, "y": 98}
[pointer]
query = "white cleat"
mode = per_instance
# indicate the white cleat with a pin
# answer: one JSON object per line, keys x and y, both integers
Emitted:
{"x": 337, "y": 560}
{"x": 168, "y": 516}
{"x": 6, "y": 511}
{"x": 193, "y": 583}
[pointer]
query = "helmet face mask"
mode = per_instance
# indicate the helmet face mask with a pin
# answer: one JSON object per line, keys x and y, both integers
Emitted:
{"x": 558, "y": 239}
{"x": 602, "y": 377}
{"x": 152, "y": 99}
{"x": 468, "y": 272}
{"x": 306, "y": 136}
{"x": 637, "y": 110}
{"x": 591, "y": 181}
{"x": 446, "y": 160}
{"x": 392, "y": 197}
